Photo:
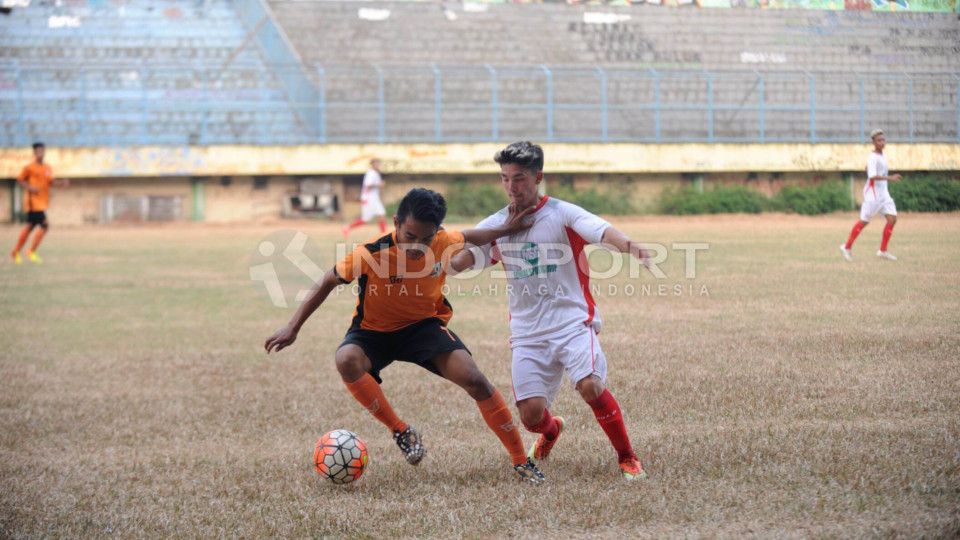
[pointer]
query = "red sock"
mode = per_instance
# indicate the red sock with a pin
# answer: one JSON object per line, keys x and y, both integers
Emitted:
{"x": 22, "y": 240}
{"x": 608, "y": 414}
{"x": 358, "y": 222}
{"x": 383, "y": 225}
{"x": 548, "y": 426}
{"x": 887, "y": 232}
{"x": 857, "y": 227}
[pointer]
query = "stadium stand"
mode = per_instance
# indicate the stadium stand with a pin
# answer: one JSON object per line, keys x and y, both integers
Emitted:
{"x": 109, "y": 72}
{"x": 162, "y": 72}
{"x": 670, "y": 73}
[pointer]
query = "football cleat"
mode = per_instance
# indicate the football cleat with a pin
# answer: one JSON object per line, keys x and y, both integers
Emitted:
{"x": 410, "y": 444}
{"x": 847, "y": 255}
{"x": 632, "y": 469}
{"x": 886, "y": 255}
{"x": 529, "y": 472}
{"x": 541, "y": 449}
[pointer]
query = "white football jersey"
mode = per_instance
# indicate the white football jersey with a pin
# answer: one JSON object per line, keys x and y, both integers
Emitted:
{"x": 372, "y": 181}
{"x": 548, "y": 275}
{"x": 876, "y": 190}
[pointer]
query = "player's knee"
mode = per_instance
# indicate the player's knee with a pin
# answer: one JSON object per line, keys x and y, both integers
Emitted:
{"x": 350, "y": 363}
{"x": 475, "y": 384}
{"x": 531, "y": 416}
{"x": 590, "y": 388}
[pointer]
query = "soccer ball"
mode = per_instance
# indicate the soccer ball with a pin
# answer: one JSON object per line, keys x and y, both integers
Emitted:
{"x": 340, "y": 456}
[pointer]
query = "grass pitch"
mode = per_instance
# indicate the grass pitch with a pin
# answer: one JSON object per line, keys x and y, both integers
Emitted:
{"x": 799, "y": 396}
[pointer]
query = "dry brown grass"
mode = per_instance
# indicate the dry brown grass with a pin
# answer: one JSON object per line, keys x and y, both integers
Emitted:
{"x": 803, "y": 397}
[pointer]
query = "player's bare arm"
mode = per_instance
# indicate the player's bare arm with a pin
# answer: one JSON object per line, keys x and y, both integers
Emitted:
{"x": 26, "y": 185}
{"x": 893, "y": 177}
{"x": 516, "y": 221}
{"x": 285, "y": 336}
{"x": 461, "y": 261}
{"x": 614, "y": 239}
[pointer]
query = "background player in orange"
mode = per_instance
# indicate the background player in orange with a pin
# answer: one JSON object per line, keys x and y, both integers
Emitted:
{"x": 402, "y": 315}
{"x": 36, "y": 179}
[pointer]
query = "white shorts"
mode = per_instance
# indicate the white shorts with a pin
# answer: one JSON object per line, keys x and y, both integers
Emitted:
{"x": 871, "y": 208}
{"x": 371, "y": 207}
{"x": 538, "y": 367}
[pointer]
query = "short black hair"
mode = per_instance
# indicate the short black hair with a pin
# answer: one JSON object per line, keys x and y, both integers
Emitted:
{"x": 424, "y": 205}
{"x": 523, "y": 153}
{"x": 38, "y": 144}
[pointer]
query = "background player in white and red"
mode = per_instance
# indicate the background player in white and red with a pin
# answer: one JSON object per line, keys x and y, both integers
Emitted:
{"x": 554, "y": 321}
{"x": 370, "y": 204}
{"x": 876, "y": 199}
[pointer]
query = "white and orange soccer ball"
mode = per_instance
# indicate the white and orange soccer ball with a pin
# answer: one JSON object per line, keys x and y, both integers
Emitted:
{"x": 340, "y": 456}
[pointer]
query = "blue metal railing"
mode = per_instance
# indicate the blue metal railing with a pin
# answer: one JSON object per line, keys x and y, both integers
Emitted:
{"x": 258, "y": 20}
{"x": 242, "y": 104}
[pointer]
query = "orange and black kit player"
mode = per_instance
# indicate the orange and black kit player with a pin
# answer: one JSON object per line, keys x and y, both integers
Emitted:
{"x": 402, "y": 315}
{"x": 36, "y": 179}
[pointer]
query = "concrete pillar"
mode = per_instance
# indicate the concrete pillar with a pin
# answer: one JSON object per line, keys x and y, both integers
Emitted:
{"x": 850, "y": 190}
{"x": 16, "y": 202}
{"x": 199, "y": 202}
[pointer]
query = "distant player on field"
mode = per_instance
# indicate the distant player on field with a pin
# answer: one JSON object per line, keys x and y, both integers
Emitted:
{"x": 876, "y": 199}
{"x": 370, "y": 204}
{"x": 553, "y": 319}
{"x": 36, "y": 179}
{"x": 402, "y": 315}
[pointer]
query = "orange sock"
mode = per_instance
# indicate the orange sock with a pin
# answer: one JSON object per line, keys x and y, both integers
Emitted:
{"x": 37, "y": 238}
{"x": 368, "y": 393}
{"x": 497, "y": 415}
{"x": 22, "y": 240}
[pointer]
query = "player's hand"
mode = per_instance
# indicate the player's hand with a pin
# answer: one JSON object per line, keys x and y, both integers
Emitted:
{"x": 897, "y": 177}
{"x": 32, "y": 189}
{"x": 280, "y": 340}
{"x": 516, "y": 220}
{"x": 641, "y": 254}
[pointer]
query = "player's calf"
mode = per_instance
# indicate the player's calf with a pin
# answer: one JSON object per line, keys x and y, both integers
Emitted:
{"x": 537, "y": 419}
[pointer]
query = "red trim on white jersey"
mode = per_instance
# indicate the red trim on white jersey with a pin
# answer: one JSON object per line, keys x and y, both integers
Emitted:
{"x": 541, "y": 202}
{"x": 593, "y": 356}
{"x": 577, "y": 243}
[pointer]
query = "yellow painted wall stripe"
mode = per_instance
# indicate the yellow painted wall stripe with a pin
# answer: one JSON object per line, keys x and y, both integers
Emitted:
{"x": 475, "y": 159}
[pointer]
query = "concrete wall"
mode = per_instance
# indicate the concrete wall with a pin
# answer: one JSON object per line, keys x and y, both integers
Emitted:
{"x": 352, "y": 159}
{"x": 232, "y": 193}
{"x": 642, "y": 189}
{"x": 240, "y": 200}
{"x": 235, "y": 202}
{"x": 236, "y": 199}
